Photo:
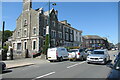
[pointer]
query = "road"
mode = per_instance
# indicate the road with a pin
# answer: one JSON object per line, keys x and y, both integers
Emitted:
{"x": 65, "y": 69}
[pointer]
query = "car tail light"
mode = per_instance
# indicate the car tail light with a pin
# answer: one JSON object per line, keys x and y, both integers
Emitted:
{"x": 56, "y": 53}
{"x": 78, "y": 53}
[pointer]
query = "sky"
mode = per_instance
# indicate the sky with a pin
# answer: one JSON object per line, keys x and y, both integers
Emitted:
{"x": 93, "y": 18}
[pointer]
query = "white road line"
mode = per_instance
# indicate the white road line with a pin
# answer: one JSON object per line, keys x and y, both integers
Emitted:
{"x": 76, "y": 64}
{"x": 44, "y": 75}
{"x": 57, "y": 63}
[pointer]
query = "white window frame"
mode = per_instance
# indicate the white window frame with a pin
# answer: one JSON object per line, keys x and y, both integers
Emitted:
{"x": 33, "y": 45}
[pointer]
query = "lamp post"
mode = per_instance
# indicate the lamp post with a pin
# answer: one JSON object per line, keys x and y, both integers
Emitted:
{"x": 47, "y": 37}
{"x": 2, "y": 51}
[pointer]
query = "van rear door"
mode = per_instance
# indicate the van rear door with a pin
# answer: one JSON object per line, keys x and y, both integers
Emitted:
{"x": 52, "y": 53}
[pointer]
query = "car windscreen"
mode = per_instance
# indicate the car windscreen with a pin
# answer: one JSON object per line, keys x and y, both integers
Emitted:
{"x": 72, "y": 50}
{"x": 98, "y": 52}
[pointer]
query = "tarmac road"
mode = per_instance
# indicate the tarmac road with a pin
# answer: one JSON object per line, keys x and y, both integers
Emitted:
{"x": 65, "y": 69}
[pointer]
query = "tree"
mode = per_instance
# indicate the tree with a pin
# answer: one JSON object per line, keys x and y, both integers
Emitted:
{"x": 46, "y": 43}
{"x": 7, "y": 34}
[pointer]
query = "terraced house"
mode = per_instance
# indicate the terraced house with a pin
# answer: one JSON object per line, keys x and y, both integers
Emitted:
{"x": 31, "y": 30}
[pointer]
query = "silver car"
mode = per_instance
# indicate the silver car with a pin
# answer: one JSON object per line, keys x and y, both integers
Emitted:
{"x": 98, "y": 56}
{"x": 77, "y": 54}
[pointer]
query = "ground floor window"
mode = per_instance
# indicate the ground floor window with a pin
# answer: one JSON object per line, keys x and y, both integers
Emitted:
{"x": 34, "y": 45}
{"x": 18, "y": 46}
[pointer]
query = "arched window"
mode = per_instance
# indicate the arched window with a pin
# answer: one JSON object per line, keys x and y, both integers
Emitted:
{"x": 34, "y": 31}
{"x": 25, "y": 32}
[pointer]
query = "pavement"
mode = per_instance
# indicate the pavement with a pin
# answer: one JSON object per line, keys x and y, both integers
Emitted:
{"x": 23, "y": 62}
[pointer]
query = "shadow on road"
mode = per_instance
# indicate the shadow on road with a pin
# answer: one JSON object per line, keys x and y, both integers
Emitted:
{"x": 6, "y": 71}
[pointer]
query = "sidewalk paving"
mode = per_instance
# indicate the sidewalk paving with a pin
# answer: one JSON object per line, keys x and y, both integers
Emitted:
{"x": 23, "y": 62}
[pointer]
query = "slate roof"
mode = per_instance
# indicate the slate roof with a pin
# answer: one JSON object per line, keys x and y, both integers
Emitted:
{"x": 92, "y": 37}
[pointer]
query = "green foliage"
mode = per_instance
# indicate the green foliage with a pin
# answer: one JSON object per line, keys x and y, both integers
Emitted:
{"x": 7, "y": 34}
{"x": 5, "y": 48}
{"x": 76, "y": 47}
{"x": 46, "y": 44}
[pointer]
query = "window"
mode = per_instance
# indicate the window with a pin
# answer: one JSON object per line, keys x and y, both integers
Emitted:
{"x": 25, "y": 22}
{"x": 67, "y": 29}
{"x": 63, "y": 49}
{"x": 94, "y": 41}
{"x": 71, "y": 38}
{"x": 70, "y": 30}
{"x": 25, "y": 45}
{"x": 18, "y": 33}
{"x": 18, "y": 46}
{"x": 76, "y": 38}
{"x": 76, "y": 32}
{"x": 44, "y": 32}
{"x": 97, "y": 41}
{"x": 60, "y": 26}
{"x": 53, "y": 41}
{"x": 101, "y": 41}
{"x": 34, "y": 45}
{"x": 66, "y": 34}
{"x": 90, "y": 41}
{"x": 34, "y": 31}
{"x": 60, "y": 35}
{"x": 54, "y": 33}
{"x": 46, "y": 21}
{"x": 98, "y": 52}
{"x": 25, "y": 32}
{"x": 53, "y": 23}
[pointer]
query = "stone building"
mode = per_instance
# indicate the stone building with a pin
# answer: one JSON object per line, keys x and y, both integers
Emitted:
{"x": 31, "y": 30}
{"x": 94, "y": 41}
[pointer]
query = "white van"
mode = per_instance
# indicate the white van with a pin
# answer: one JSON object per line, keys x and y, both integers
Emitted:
{"x": 57, "y": 54}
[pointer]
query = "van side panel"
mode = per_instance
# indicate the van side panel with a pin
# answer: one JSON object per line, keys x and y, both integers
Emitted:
{"x": 52, "y": 54}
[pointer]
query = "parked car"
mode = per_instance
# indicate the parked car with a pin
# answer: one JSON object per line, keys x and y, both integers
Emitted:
{"x": 57, "y": 54}
{"x": 115, "y": 71}
{"x": 117, "y": 57}
{"x": 113, "y": 49}
{"x": 3, "y": 66}
{"x": 89, "y": 51}
{"x": 98, "y": 56}
{"x": 77, "y": 54}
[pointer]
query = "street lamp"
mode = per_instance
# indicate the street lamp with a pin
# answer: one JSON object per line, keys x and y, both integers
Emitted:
{"x": 47, "y": 38}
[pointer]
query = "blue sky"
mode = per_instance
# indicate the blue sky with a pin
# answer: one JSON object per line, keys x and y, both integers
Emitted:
{"x": 93, "y": 18}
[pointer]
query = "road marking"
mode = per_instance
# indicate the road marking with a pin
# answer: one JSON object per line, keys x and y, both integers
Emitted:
{"x": 44, "y": 75}
{"x": 57, "y": 63}
{"x": 76, "y": 64}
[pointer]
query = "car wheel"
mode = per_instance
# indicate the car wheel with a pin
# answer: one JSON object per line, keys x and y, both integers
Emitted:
{"x": 51, "y": 60}
{"x": 61, "y": 59}
{"x": 85, "y": 58}
{"x": 74, "y": 59}
{"x": 82, "y": 58}
{"x": 70, "y": 59}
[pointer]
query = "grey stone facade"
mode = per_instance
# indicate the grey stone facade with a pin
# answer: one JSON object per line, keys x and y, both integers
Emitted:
{"x": 31, "y": 30}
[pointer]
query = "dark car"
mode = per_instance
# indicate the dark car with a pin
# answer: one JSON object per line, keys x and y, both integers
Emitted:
{"x": 3, "y": 66}
{"x": 117, "y": 57}
{"x": 115, "y": 72}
